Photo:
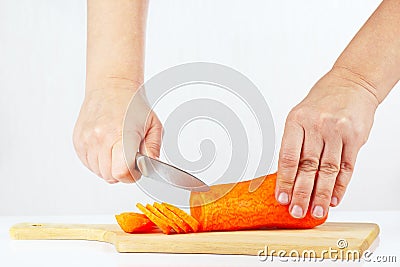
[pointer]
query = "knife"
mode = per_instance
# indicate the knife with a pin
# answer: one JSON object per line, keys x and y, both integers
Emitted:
{"x": 163, "y": 172}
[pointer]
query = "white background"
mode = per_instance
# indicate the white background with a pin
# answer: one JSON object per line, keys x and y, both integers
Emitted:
{"x": 282, "y": 46}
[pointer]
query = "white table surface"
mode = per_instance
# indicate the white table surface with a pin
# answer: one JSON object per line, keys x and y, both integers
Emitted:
{"x": 91, "y": 253}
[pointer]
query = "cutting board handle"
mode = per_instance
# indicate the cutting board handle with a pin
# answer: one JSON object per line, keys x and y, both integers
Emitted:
{"x": 29, "y": 231}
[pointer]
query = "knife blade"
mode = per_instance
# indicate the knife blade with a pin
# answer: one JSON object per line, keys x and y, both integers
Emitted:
{"x": 166, "y": 173}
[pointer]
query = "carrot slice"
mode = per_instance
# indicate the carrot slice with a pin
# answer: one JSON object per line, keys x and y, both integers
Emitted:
{"x": 191, "y": 221}
{"x": 155, "y": 219}
{"x": 164, "y": 218}
{"x": 132, "y": 222}
{"x": 172, "y": 216}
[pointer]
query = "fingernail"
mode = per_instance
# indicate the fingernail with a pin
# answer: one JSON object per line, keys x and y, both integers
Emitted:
{"x": 297, "y": 212}
{"x": 334, "y": 201}
{"x": 283, "y": 198}
{"x": 318, "y": 212}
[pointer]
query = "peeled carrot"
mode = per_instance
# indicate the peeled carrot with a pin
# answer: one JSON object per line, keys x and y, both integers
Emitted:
{"x": 225, "y": 207}
{"x": 240, "y": 209}
{"x": 132, "y": 222}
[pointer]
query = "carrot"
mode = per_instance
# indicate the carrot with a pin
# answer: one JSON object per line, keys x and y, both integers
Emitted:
{"x": 164, "y": 218}
{"x": 172, "y": 216}
{"x": 192, "y": 222}
{"x": 132, "y": 222}
{"x": 155, "y": 219}
{"x": 240, "y": 209}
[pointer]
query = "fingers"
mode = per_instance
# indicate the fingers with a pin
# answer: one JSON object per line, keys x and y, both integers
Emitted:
{"x": 306, "y": 173}
{"x": 289, "y": 157}
{"x": 110, "y": 164}
{"x": 151, "y": 143}
{"x": 80, "y": 149}
{"x": 349, "y": 155}
{"x": 119, "y": 167}
{"x": 321, "y": 170}
{"x": 123, "y": 162}
{"x": 105, "y": 166}
{"x": 93, "y": 163}
{"x": 328, "y": 171}
{"x": 102, "y": 124}
{"x": 107, "y": 159}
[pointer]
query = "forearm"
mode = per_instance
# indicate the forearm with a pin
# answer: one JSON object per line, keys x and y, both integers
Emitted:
{"x": 115, "y": 42}
{"x": 372, "y": 58}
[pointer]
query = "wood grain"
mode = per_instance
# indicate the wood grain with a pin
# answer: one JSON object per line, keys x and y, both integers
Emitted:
{"x": 359, "y": 237}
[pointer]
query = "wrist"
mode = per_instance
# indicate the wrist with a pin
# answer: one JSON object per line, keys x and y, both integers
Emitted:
{"x": 355, "y": 79}
{"x": 112, "y": 83}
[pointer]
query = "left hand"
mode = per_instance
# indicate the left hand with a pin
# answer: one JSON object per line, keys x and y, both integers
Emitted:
{"x": 322, "y": 137}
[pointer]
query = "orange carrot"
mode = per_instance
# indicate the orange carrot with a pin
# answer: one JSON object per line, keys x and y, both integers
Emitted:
{"x": 155, "y": 219}
{"x": 172, "y": 216}
{"x": 240, "y": 209}
{"x": 192, "y": 222}
{"x": 132, "y": 222}
{"x": 225, "y": 207}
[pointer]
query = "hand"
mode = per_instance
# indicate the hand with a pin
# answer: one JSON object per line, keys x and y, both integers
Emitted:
{"x": 98, "y": 132}
{"x": 322, "y": 137}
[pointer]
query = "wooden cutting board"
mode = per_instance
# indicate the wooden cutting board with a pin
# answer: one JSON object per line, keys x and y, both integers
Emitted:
{"x": 345, "y": 237}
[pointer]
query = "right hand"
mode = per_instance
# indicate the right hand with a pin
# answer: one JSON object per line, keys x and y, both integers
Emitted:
{"x": 98, "y": 133}
{"x": 322, "y": 137}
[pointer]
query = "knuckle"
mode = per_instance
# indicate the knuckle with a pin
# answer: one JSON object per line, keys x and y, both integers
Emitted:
{"x": 329, "y": 168}
{"x": 346, "y": 167}
{"x": 75, "y": 137}
{"x": 292, "y": 116}
{"x": 343, "y": 123}
{"x": 340, "y": 188}
{"x": 158, "y": 125}
{"x": 361, "y": 136}
{"x": 98, "y": 133}
{"x": 106, "y": 175}
{"x": 102, "y": 135}
{"x": 296, "y": 114}
{"x": 79, "y": 148}
{"x": 301, "y": 194}
{"x": 98, "y": 130}
{"x": 78, "y": 142}
{"x": 309, "y": 165}
{"x": 120, "y": 173}
{"x": 325, "y": 118}
{"x": 285, "y": 183}
{"x": 288, "y": 160}
{"x": 324, "y": 195}
{"x": 154, "y": 147}
{"x": 86, "y": 136}
{"x": 357, "y": 134}
{"x": 111, "y": 181}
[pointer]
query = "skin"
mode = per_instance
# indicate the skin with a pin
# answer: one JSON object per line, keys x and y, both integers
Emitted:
{"x": 324, "y": 132}
{"x": 115, "y": 59}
